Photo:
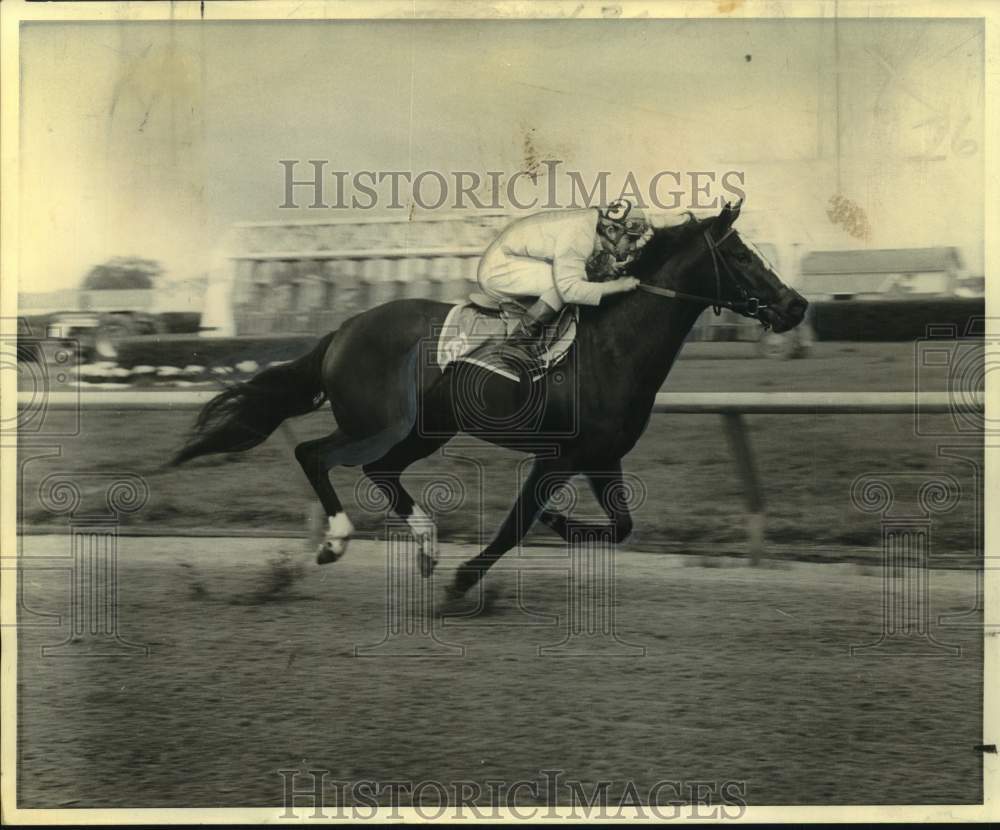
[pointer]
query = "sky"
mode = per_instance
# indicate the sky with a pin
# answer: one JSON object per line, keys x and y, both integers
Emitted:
{"x": 150, "y": 139}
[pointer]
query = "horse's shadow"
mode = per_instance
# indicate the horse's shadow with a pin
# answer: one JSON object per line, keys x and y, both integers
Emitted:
{"x": 471, "y": 605}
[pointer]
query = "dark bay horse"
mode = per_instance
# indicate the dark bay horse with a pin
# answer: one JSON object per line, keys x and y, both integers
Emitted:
{"x": 393, "y": 406}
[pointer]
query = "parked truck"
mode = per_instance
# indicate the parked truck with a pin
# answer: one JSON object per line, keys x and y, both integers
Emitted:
{"x": 92, "y": 321}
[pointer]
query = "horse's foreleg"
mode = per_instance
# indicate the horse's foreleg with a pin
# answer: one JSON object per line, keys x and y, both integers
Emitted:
{"x": 385, "y": 475}
{"x": 611, "y": 493}
{"x": 546, "y": 476}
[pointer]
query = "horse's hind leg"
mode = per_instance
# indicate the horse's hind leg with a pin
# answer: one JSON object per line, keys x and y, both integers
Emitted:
{"x": 385, "y": 474}
{"x": 317, "y": 458}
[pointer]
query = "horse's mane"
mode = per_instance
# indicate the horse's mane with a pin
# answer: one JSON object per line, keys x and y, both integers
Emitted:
{"x": 664, "y": 243}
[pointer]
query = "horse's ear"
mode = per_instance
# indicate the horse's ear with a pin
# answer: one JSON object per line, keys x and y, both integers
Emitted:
{"x": 730, "y": 213}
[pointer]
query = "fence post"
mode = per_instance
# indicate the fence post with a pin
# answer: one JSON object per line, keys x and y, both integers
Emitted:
{"x": 753, "y": 492}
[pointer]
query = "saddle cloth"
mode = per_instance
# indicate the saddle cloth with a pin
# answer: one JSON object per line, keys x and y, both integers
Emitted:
{"x": 468, "y": 326}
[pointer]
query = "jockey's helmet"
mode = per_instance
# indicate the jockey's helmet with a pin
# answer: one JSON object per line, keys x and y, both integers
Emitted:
{"x": 624, "y": 228}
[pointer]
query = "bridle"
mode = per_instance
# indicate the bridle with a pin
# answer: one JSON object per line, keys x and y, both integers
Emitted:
{"x": 747, "y": 305}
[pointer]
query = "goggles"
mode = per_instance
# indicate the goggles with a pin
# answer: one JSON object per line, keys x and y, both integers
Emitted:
{"x": 618, "y": 213}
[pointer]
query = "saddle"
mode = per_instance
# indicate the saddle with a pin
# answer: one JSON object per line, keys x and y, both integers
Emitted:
{"x": 482, "y": 321}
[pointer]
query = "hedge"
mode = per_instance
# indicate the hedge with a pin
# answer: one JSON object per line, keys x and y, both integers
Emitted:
{"x": 180, "y": 322}
{"x": 187, "y": 350}
{"x": 895, "y": 320}
{"x": 848, "y": 320}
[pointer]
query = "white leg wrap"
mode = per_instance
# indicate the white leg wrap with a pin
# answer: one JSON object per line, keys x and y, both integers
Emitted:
{"x": 339, "y": 532}
{"x": 420, "y": 523}
{"x": 423, "y": 528}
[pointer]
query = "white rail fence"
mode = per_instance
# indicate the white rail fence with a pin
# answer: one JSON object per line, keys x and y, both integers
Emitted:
{"x": 732, "y": 407}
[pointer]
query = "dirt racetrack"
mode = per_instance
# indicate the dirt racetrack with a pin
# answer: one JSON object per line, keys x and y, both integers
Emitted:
{"x": 746, "y": 676}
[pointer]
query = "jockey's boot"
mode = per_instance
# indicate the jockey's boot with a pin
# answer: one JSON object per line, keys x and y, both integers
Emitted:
{"x": 527, "y": 343}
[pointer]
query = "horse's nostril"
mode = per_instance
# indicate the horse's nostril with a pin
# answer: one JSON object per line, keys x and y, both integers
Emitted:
{"x": 797, "y": 306}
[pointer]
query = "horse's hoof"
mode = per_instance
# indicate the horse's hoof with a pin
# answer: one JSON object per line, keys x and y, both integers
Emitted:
{"x": 553, "y": 521}
{"x": 331, "y": 550}
{"x": 426, "y": 563}
{"x": 465, "y": 578}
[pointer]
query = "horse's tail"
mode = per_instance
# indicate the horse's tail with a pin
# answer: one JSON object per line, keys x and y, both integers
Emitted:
{"x": 245, "y": 414}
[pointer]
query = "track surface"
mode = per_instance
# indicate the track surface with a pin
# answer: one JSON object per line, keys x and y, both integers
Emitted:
{"x": 747, "y": 676}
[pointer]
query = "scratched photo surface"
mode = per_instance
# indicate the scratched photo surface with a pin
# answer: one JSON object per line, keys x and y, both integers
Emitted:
{"x": 793, "y": 614}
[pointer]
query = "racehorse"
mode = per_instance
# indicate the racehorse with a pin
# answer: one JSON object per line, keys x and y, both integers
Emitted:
{"x": 393, "y": 408}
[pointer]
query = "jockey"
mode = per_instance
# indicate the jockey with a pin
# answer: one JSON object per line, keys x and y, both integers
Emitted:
{"x": 548, "y": 256}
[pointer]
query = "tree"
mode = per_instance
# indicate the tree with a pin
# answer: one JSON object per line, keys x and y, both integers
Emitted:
{"x": 123, "y": 273}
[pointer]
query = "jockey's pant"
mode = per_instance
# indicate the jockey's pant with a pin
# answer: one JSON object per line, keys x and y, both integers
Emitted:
{"x": 503, "y": 276}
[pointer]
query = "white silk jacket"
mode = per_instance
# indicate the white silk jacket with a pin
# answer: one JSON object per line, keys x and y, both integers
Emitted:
{"x": 564, "y": 238}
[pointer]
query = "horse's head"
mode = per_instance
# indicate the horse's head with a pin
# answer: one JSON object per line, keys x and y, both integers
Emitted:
{"x": 708, "y": 261}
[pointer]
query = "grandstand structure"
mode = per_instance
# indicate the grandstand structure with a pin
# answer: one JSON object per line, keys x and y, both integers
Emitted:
{"x": 308, "y": 276}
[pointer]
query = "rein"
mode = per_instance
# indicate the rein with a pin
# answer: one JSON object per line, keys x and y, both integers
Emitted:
{"x": 748, "y": 306}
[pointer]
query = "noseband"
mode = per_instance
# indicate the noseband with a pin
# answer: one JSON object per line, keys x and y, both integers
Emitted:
{"x": 747, "y": 305}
